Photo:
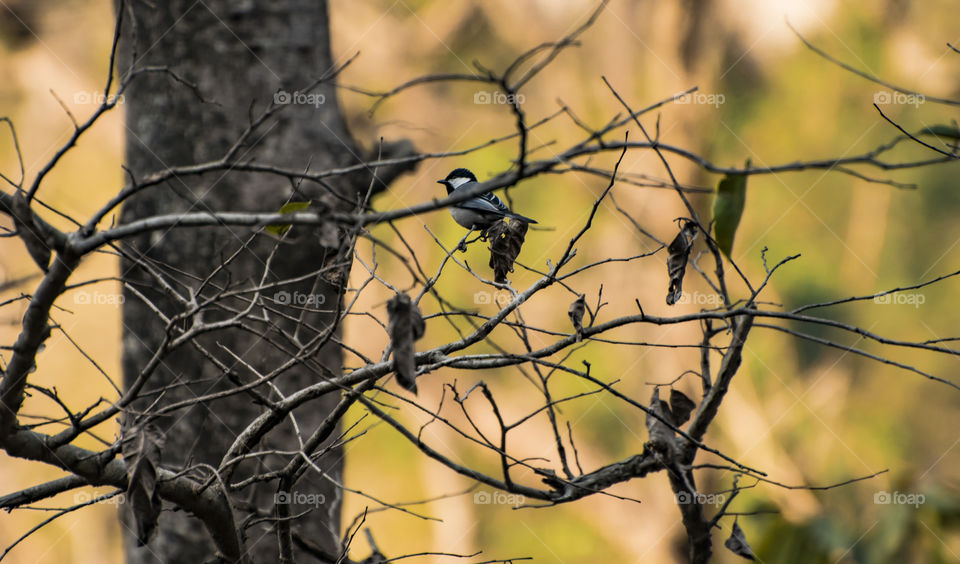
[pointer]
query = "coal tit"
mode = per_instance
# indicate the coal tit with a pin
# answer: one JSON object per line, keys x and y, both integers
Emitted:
{"x": 479, "y": 212}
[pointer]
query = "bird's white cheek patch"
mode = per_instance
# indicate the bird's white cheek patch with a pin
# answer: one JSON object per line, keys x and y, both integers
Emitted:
{"x": 458, "y": 182}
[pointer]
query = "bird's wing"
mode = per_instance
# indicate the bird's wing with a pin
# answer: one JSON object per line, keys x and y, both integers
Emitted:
{"x": 495, "y": 201}
{"x": 501, "y": 208}
{"x": 485, "y": 203}
{"x": 480, "y": 206}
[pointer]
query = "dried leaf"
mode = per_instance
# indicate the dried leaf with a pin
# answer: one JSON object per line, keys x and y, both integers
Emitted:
{"x": 30, "y": 232}
{"x": 737, "y": 543}
{"x": 679, "y": 252}
{"x": 506, "y": 239}
{"x": 142, "y": 455}
{"x": 576, "y": 311}
{"x": 289, "y": 207}
{"x": 728, "y": 209}
{"x": 406, "y": 326}
{"x": 334, "y": 276}
{"x": 681, "y": 406}
{"x": 660, "y": 433}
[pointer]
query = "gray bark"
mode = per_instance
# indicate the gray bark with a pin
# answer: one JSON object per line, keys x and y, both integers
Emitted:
{"x": 239, "y": 54}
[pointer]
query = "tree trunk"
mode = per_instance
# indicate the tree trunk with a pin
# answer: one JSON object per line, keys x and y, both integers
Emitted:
{"x": 238, "y": 54}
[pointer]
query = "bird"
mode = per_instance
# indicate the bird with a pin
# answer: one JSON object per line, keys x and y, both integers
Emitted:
{"x": 481, "y": 211}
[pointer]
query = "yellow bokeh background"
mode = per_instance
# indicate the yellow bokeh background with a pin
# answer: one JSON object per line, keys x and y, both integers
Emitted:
{"x": 805, "y": 414}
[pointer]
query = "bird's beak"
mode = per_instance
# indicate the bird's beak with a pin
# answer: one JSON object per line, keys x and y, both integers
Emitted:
{"x": 441, "y": 181}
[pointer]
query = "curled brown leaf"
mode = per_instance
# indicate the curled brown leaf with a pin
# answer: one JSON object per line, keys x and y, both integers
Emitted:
{"x": 679, "y": 252}
{"x": 506, "y": 239}
{"x": 406, "y": 326}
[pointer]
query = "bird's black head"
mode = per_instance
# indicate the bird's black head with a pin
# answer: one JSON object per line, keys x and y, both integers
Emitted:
{"x": 458, "y": 177}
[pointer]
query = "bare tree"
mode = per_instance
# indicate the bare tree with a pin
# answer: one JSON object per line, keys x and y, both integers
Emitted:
{"x": 173, "y": 300}
{"x": 245, "y": 199}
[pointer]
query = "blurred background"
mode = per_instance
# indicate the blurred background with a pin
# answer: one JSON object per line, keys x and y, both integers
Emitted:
{"x": 803, "y": 413}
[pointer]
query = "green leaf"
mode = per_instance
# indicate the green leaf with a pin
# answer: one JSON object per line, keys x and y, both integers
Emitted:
{"x": 941, "y": 131}
{"x": 289, "y": 207}
{"x": 728, "y": 208}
